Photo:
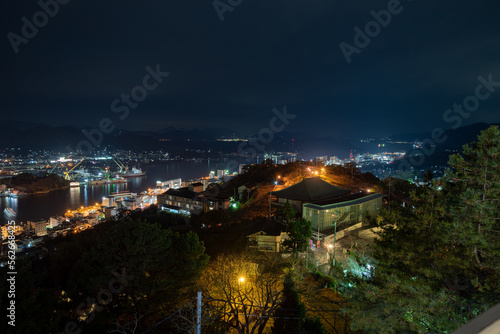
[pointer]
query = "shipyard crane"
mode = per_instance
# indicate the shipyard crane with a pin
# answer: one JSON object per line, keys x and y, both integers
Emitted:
{"x": 123, "y": 168}
{"x": 66, "y": 173}
{"x": 55, "y": 166}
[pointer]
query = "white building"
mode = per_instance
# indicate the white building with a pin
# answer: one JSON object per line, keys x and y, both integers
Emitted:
{"x": 221, "y": 173}
{"x": 175, "y": 183}
{"x": 39, "y": 226}
{"x": 55, "y": 221}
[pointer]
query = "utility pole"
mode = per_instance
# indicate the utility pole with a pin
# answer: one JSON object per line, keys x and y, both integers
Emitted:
{"x": 198, "y": 313}
{"x": 269, "y": 205}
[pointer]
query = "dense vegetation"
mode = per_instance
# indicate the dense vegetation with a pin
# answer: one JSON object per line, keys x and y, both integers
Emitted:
{"x": 437, "y": 262}
{"x": 120, "y": 274}
{"x": 32, "y": 184}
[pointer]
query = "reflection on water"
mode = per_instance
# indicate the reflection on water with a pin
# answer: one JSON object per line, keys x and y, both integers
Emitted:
{"x": 74, "y": 196}
{"x": 10, "y": 202}
{"x": 60, "y": 201}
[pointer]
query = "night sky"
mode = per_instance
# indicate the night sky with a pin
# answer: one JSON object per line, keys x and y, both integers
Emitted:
{"x": 263, "y": 55}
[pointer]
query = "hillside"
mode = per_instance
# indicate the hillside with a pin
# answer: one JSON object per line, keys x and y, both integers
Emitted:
{"x": 32, "y": 184}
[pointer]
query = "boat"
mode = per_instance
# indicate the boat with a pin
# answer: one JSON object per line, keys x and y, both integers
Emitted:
{"x": 9, "y": 212}
{"x": 74, "y": 184}
{"x": 136, "y": 172}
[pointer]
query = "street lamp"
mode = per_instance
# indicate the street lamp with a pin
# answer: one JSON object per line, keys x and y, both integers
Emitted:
{"x": 335, "y": 235}
{"x": 329, "y": 252}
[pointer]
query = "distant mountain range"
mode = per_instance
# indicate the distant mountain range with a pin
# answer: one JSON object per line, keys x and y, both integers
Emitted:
{"x": 456, "y": 138}
{"x": 35, "y": 136}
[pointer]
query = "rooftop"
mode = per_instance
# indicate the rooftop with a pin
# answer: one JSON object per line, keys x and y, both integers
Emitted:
{"x": 311, "y": 190}
{"x": 184, "y": 192}
{"x": 268, "y": 226}
{"x": 358, "y": 198}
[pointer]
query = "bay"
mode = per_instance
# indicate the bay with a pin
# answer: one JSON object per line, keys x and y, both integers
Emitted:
{"x": 60, "y": 201}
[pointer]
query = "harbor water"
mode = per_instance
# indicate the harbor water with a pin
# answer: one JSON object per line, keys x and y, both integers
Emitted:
{"x": 60, "y": 201}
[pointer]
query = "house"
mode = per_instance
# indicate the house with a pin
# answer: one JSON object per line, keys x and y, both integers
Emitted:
{"x": 245, "y": 190}
{"x": 266, "y": 236}
{"x": 184, "y": 200}
{"x": 216, "y": 198}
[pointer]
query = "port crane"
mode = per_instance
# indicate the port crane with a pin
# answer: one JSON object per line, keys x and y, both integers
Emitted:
{"x": 59, "y": 163}
{"x": 66, "y": 173}
{"x": 123, "y": 168}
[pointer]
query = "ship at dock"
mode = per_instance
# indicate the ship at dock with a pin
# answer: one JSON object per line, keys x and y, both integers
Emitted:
{"x": 106, "y": 181}
{"x": 135, "y": 172}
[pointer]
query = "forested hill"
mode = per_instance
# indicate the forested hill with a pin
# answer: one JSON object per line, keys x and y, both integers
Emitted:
{"x": 32, "y": 184}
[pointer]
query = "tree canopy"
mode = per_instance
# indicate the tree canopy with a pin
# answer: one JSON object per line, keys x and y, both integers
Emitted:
{"x": 112, "y": 274}
{"x": 438, "y": 260}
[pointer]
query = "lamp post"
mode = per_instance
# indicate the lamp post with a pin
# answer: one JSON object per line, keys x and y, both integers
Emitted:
{"x": 330, "y": 254}
{"x": 335, "y": 235}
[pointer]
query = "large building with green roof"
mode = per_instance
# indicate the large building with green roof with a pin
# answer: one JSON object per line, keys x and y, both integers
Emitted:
{"x": 326, "y": 205}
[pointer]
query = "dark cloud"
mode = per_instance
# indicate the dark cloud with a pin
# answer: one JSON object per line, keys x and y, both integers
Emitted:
{"x": 264, "y": 54}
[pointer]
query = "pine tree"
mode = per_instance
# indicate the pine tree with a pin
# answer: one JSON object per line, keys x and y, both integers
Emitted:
{"x": 476, "y": 215}
{"x": 439, "y": 260}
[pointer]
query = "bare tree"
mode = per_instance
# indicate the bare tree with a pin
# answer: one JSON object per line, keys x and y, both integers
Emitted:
{"x": 185, "y": 320}
{"x": 128, "y": 326}
{"x": 245, "y": 290}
